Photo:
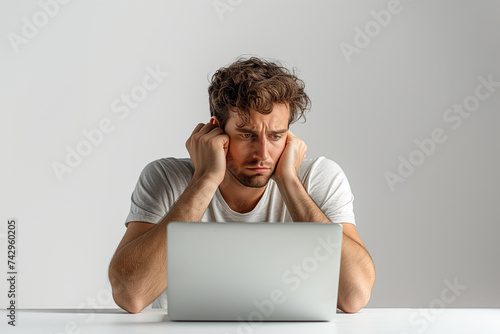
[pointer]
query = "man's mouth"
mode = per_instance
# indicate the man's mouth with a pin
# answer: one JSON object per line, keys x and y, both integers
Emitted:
{"x": 260, "y": 170}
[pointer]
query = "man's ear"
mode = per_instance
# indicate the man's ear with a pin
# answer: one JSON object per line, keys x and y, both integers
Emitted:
{"x": 215, "y": 121}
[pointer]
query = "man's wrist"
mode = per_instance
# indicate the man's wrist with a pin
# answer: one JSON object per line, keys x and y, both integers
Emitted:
{"x": 205, "y": 181}
{"x": 284, "y": 181}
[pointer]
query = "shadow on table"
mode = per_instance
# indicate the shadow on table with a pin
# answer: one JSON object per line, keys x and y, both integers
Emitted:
{"x": 84, "y": 310}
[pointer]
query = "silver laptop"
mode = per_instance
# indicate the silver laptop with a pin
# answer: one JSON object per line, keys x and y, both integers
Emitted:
{"x": 253, "y": 271}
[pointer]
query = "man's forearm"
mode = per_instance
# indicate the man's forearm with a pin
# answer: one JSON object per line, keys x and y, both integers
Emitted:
{"x": 137, "y": 269}
{"x": 357, "y": 273}
{"x": 357, "y": 276}
{"x": 301, "y": 206}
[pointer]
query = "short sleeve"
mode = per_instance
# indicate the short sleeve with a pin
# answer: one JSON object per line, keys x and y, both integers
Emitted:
{"x": 160, "y": 184}
{"x": 147, "y": 200}
{"x": 328, "y": 186}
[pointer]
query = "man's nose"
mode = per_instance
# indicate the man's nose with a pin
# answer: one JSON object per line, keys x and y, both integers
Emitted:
{"x": 260, "y": 149}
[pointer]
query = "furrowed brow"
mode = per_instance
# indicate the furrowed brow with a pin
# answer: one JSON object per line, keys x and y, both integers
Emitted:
{"x": 278, "y": 132}
{"x": 246, "y": 130}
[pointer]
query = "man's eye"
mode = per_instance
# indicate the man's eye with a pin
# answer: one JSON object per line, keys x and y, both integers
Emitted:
{"x": 247, "y": 135}
{"x": 276, "y": 137}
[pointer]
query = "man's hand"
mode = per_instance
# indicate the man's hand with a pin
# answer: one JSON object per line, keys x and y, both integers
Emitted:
{"x": 291, "y": 158}
{"x": 207, "y": 146}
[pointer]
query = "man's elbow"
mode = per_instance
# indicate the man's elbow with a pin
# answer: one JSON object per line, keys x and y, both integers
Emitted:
{"x": 123, "y": 297}
{"x": 354, "y": 302}
{"x": 129, "y": 304}
{"x": 357, "y": 296}
{"x": 126, "y": 300}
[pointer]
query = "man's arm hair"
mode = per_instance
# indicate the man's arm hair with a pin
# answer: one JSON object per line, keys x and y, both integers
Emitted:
{"x": 357, "y": 271}
{"x": 140, "y": 260}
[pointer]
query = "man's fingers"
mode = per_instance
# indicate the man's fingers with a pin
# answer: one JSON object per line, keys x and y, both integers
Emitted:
{"x": 294, "y": 139}
{"x": 197, "y": 128}
{"x": 290, "y": 136}
{"x": 208, "y": 128}
{"x": 208, "y": 131}
{"x": 225, "y": 140}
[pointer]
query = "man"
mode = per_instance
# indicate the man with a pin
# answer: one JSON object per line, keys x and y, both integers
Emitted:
{"x": 245, "y": 165}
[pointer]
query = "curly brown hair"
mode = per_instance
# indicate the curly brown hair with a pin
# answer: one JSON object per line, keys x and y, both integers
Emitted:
{"x": 256, "y": 84}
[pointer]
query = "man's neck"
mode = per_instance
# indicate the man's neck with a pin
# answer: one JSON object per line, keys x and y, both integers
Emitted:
{"x": 238, "y": 197}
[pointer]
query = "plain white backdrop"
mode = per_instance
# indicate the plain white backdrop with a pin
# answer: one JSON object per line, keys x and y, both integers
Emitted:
{"x": 387, "y": 80}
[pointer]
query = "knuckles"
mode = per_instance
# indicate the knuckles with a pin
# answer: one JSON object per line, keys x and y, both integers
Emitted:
{"x": 212, "y": 139}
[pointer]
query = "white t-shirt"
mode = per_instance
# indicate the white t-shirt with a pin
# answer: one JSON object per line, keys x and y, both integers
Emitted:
{"x": 164, "y": 180}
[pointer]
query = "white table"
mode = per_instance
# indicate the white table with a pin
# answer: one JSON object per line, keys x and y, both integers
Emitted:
{"x": 386, "y": 321}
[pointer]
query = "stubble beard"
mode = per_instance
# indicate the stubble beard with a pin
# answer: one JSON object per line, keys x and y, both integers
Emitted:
{"x": 251, "y": 181}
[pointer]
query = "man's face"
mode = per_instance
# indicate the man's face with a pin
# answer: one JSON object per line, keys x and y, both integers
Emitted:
{"x": 255, "y": 148}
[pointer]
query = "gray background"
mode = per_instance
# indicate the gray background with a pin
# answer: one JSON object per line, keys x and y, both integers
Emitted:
{"x": 439, "y": 225}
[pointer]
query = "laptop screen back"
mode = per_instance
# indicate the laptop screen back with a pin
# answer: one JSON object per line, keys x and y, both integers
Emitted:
{"x": 253, "y": 271}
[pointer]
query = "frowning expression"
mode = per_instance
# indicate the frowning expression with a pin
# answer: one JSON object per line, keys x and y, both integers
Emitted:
{"x": 255, "y": 148}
